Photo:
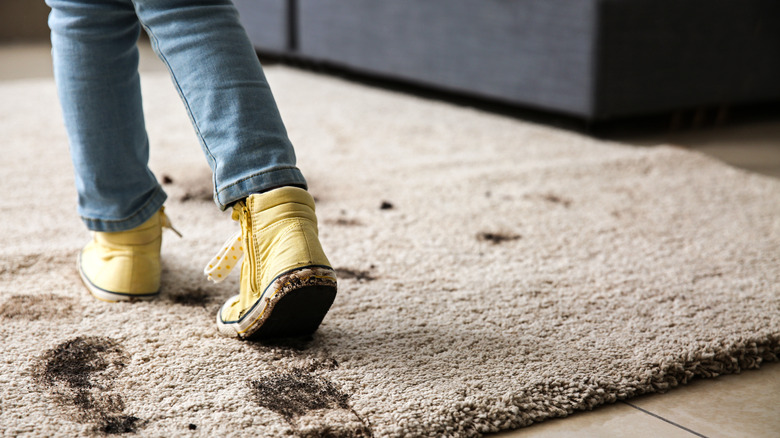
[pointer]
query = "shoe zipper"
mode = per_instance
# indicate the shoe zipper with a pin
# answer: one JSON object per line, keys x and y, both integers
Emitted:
{"x": 250, "y": 253}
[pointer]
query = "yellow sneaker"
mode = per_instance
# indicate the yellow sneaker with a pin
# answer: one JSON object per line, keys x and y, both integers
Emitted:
{"x": 287, "y": 283}
{"x": 125, "y": 265}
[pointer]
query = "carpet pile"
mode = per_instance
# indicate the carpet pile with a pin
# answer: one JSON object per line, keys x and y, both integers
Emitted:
{"x": 493, "y": 273}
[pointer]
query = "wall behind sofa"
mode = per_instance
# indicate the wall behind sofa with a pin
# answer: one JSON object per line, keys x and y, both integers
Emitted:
{"x": 23, "y": 20}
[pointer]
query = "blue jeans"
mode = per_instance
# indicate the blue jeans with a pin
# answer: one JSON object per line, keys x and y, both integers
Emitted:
{"x": 214, "y": 68}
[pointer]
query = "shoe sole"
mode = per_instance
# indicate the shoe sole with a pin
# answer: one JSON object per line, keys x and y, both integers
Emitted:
{"x": 296, "y": 306}
{"x": 108, "y": 296}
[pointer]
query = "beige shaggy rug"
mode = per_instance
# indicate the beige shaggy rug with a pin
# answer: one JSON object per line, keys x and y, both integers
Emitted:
{"x": 493, "y": 273}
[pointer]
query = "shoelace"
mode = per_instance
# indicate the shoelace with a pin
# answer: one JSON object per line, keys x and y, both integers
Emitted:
{"x": 166, "y": 222}
{"x": 223, "y": 263}
{"x": 228, "y": 258}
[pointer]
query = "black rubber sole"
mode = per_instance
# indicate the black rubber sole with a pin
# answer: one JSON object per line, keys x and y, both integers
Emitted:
{"x": 299, "y": 313}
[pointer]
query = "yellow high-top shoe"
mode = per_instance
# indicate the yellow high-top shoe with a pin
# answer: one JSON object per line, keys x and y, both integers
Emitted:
{"x": 287, "y": 283}
{"x": 125, "y": 265}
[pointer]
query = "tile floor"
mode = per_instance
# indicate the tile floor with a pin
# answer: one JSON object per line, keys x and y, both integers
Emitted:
{"x": 741, "y": 405}
{"x": 744, "y": 405}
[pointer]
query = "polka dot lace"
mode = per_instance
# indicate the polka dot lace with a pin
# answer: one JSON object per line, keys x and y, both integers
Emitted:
{"x": 228, "y": 258}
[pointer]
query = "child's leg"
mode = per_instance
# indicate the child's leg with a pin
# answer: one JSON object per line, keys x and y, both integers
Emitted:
{"x": 96, "y": 69}
{"x": 216, "y": 71}
{"x": 287, "y": 284}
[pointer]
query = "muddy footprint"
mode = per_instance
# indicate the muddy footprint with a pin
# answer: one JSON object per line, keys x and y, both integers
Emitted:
{"x": 80, "y": 374}
{"x": 356, "y": 274}
{"x": 191, "y": 297}
{"x": 36, "y": 307}
{"x": 497, "y": 238}
{"x": 311, "y": 404}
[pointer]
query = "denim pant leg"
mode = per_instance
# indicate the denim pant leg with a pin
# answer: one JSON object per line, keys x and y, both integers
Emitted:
{"x": 221, "y": 82}
{"x": 96, "y": 70}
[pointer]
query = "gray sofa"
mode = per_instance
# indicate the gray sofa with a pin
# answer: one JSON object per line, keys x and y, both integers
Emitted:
{"x": 595, "y": 59}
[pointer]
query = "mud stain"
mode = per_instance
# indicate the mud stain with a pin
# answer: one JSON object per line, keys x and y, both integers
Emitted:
{"x": 196, "y": 185}
{"x": 298, "y": 393}
{"x": 355, "y": 274}
{"x": 496, "y": 238}
{"x": 343, "y": 222}
{"x": 316, "y": 364}
{"x": 197, "y": 297}
{"x": 310, "y": 403}
{"x": 36, "y": 307}
{"x": 80, "y": 373}
{"x": 197, "y": 188}
{"x": 555, "y": 199}
{"x": 194, "y": 194}
{"x": 119, "y": 424}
